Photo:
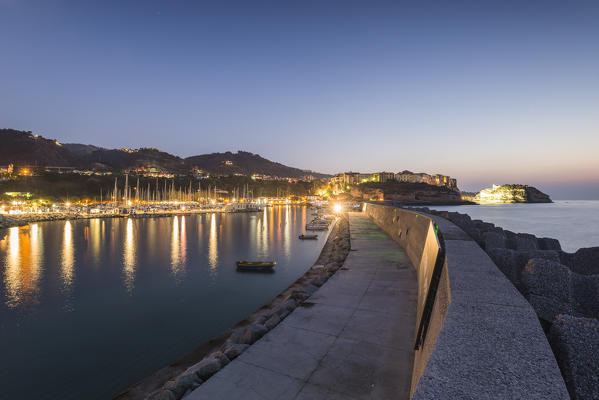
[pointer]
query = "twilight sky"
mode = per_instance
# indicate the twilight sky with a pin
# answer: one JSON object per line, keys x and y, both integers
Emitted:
{"x": 485, "y": 91}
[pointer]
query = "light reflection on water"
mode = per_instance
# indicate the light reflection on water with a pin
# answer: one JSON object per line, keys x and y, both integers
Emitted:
{"x": 124, "y": 297}
{"x": 68, "y": 257}
{"x": 175, "y": 255}
{"x": 212, "y": 245}
{"x": 129, "y": 258}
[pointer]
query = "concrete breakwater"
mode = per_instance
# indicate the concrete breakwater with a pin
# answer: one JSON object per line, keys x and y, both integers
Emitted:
{"x": 563, "y": 289}
{"x": 477, "y": 336}
{"x": 186, "y": 374}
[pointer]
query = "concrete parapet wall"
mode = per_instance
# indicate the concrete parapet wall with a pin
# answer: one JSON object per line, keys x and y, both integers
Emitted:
{"x": 484, "y": 339}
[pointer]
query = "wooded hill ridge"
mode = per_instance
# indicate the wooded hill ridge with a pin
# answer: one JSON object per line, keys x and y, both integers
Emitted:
{"x": 24, "y": 149}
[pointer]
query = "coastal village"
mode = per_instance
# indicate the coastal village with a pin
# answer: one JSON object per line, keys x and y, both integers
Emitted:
{"x": 299, "y": 200}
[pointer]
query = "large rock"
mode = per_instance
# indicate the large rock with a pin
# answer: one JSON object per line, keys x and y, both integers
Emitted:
{"x": 585, "y": 261}
{"x": 575, "y": 342}
{"x": 461, "y": 220}
{"x": 585, "y": 295}
{"x": 311, "y": 289}
{"x": 511, "y": 262}
{"x": 319, "y": 281}
{"x": 332, "y": 267}
{"x": 183, "y": 383}
{"x": 482, "y": 225}
{"x": 511, "y": 239}
{"x": 551, "y": 255}
{"x": 494, "y": 240}
{"x": 205, "y": 368}
{"x": 549, "y": 244}
{"x": 162, "y": 394}
{"x": 221, "y": 357}
{"x": 272, "y": 321}
{"x": 237, "y": 335}
{"x": 526, "y": 242}
{"x": 253, "y": 333}
{"x": 547, "y": 287}
{"x": 232, "y": 350}
{"x": 298, "y": 295}
{"x": 508, "y": 261}
{"x": 475, "y": 234}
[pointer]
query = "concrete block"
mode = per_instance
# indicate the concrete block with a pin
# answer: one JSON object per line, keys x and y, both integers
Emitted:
{"x": 511, "y": 240}
{"x": 526, "y": 242}
{"x": 494, "y": 240}
{"x": 547, "y": 286}
{"x": 549, "y": 244}
{"x": 461, "y": 220}
{"x": 585, "y": 261}
{"x": 507, "y": 261}
{"x": 575, "y": 342}
{"x": 585, "y": 295}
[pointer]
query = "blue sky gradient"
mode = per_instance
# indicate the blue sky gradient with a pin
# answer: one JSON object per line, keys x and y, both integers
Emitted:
{"x": 487, "y": 92}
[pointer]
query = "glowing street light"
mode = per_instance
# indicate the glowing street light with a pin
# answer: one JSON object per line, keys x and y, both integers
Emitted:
{"x": 337, "y": 208}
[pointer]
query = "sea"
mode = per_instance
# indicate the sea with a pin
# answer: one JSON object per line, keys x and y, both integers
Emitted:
{"x": 575, "y": 223}
{"x": 90, "y": 307}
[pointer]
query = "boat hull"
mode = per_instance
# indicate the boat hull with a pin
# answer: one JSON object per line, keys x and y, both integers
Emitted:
{"x": 255, "y": 266}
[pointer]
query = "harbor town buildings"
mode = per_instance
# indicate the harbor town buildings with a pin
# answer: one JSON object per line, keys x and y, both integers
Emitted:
{"x": 343, "y": 180}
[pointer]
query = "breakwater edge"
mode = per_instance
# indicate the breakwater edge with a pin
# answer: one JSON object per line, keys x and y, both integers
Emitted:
{"x": 562, "y": 288}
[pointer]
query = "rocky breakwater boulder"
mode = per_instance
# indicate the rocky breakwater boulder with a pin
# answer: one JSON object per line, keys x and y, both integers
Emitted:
{"x": 554, "y": 288}
{"x": 575, "y": 342}
{"x": 7, "y": 221}
{"x": 266, "y": 318}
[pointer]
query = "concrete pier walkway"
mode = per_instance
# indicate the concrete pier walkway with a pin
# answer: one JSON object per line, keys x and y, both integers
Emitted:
{"x": 352, "y": 339}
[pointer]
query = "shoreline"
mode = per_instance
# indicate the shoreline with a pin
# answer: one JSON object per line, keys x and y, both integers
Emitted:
{"x": 18, "y": 220}
{"x": 175, "y": 380}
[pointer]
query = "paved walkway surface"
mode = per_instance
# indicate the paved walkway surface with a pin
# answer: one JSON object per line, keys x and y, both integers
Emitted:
{"x": 352, "y": 339}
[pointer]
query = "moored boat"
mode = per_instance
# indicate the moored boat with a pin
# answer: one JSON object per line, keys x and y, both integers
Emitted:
{"x": 306, "y": 237}
{"x": 255, "y": 265}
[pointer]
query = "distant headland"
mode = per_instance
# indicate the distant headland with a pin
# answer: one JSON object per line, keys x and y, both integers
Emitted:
{"x": 514, "y": 193}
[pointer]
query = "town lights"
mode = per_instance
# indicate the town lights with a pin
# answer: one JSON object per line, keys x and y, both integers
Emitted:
{"x": 337, "y": 208}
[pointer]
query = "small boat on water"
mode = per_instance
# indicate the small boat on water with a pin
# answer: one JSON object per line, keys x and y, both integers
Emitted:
{"x": 255, "y": 265}
{"x": 306, "y": 237}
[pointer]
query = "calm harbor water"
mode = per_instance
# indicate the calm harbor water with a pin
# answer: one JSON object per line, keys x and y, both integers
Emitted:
{"x": 90, "y": 307}
{"x": 575, "y": 223}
